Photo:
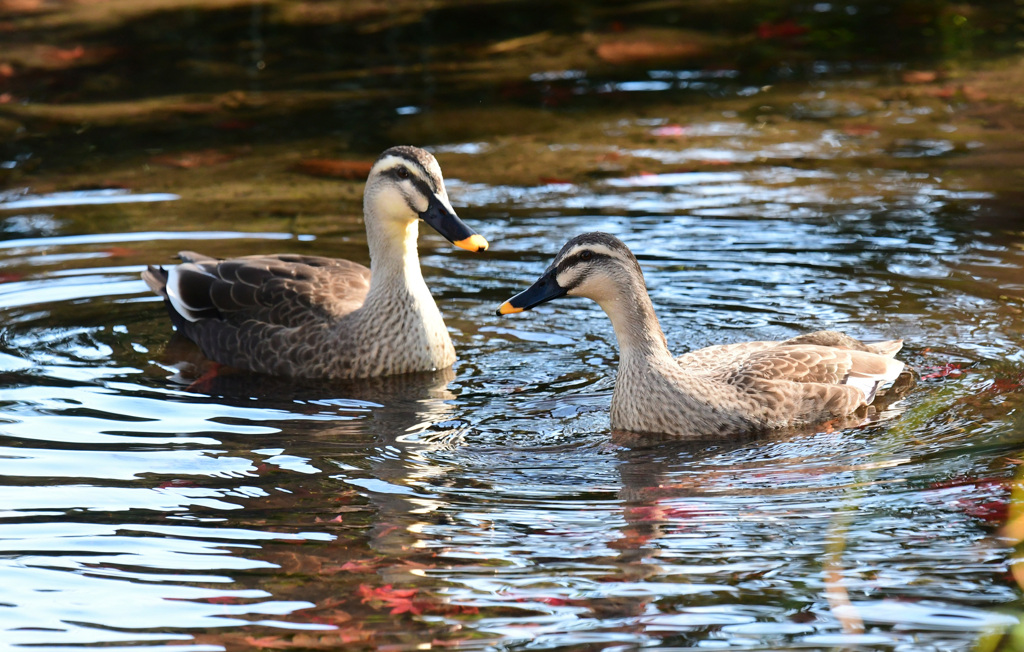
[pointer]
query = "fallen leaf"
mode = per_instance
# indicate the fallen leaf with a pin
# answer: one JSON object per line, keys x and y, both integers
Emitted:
{"x": 554, "y": 602}
{"x": 943, "y": 93}
{"x": 268, "y": 642}
{"x": 973, "y": 94}
{"x": 860, "y": 130}
{"x": 332, "y": 617}
{"x": 71, "y": 54}
{"x": 992, "y": 507}
{"x": 59, "y": 58}
{"x": 919, "y": 76}
{"x": 361, "y": 565}
{"x": 785, "y": 29}
{"x": 191, "y": 160}
{"x": 942, "y": 371}
{"x": 400, "y": 600}
{"x": 992, "y": 511}
{"x": 385, "y": 592}
{"x": 21, "y": 6}
{"x": 1003, "y": 385}
{"x": 223, "y": 599}
{"x": 621, "y": 52}
{"x": 668, "y": 131}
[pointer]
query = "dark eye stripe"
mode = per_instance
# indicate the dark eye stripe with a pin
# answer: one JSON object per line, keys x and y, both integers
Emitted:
{"x": 412, "y": 175}
{"x": 577, "y": 258}
{"x": 415, "y": 179}
{"x": 422, "y": 186}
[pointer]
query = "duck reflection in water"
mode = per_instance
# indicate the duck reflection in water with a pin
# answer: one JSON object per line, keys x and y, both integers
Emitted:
{"x": 371, "y": 436}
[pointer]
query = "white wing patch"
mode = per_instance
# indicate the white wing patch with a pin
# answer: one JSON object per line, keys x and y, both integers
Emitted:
{"x": 174, "y": 292}
{"x": 870, "y": 384}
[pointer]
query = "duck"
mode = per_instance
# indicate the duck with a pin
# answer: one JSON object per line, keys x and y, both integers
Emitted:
{"x": 728, "y": 389}
{"x": 315, "y": 317}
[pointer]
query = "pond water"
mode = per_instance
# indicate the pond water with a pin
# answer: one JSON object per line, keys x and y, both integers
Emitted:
{"x": 147, "y": 506}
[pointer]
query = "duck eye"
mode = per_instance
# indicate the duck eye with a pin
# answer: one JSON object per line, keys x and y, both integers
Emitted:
{"x": 403, "y": 173}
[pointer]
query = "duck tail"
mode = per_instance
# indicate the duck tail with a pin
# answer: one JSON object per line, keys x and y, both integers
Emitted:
{"x": 872, "y": 373}
{"x": 888, "y": 348}
{"x": 156, "y": 278}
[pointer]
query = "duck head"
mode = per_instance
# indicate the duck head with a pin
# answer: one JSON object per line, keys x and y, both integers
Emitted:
{"x": 596, "y": 265}
{"x": 405, "y": 185}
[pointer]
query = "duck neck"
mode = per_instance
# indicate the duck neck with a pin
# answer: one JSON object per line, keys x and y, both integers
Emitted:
{"x": 636, "y": 326}
{"x": 394, "y": 260}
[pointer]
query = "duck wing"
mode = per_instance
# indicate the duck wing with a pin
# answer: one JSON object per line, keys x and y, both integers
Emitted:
{"x": 287, "y": 290}
{"x": 730, "y": 356}
{"x": 839, "y": 340}
{"x": 713, "y": 358}
{"x": 812, "y": 364}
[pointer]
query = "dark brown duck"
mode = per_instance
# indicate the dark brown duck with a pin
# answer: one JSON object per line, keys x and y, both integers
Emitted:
{"x": 314, "y": 317}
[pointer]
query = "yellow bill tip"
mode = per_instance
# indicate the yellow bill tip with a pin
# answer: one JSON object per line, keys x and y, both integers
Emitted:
{"x": 508, "y": 309}
{"x": 474, "y": 242}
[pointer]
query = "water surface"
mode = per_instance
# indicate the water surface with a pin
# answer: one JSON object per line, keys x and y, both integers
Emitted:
{"x": 147, "y": 506}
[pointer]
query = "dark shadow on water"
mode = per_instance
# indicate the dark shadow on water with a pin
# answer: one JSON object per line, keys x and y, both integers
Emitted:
{"x": 455, "y": 54}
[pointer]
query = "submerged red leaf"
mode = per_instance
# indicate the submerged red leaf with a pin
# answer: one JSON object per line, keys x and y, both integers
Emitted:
{"x": 633, "y": 51}
{"x": 942, "y": 371}
{"x": 919, "y": 76}
{"x": 990, "y": 502}
{"x": 268, "y": 642}
{"x": 667, "y": 131}
{"x": 189, "y": 160}
{"x": 860, "y": 130}
{"x": 784, "y": 29}
{"x": 399, "y": 600}
{"x": 360, "y": 565}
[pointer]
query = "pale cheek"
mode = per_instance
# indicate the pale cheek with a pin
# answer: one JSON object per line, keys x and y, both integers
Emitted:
{"x": 420, "y": 202}
{"x": 566, "y": 280}
{"x": 392, "y": 203}
{"x": 602, "y": 293}
{"x": 584, "y": 289}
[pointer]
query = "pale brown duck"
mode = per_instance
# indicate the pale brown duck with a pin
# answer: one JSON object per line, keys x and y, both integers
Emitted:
{"x": 719, "y": 390}
{"x": 314, "y": 317}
